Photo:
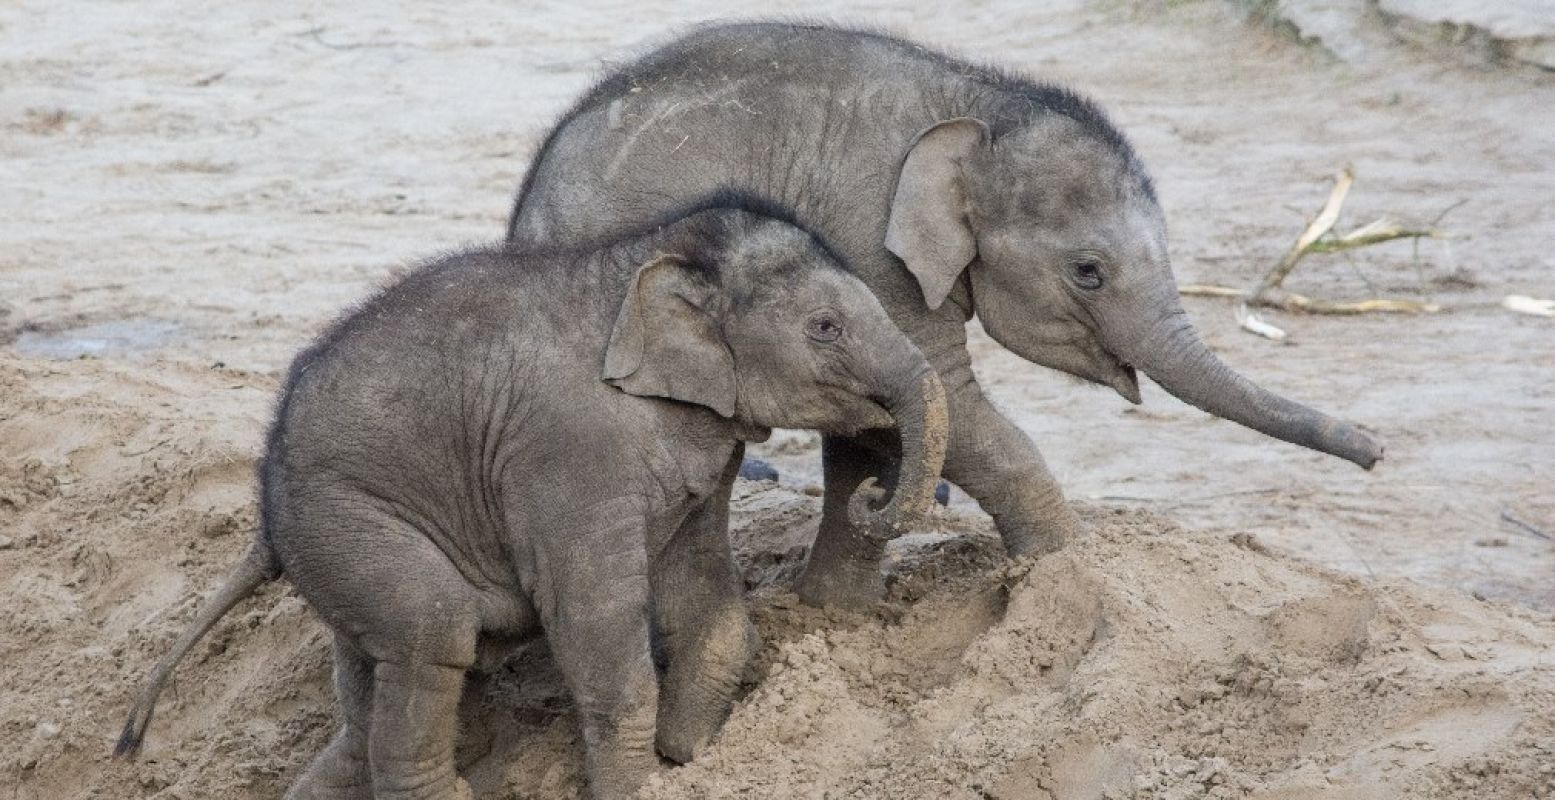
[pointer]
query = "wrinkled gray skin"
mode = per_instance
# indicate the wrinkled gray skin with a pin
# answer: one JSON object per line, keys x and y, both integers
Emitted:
{"x": 953, "y": 190}
{"x": 448, "y": 471}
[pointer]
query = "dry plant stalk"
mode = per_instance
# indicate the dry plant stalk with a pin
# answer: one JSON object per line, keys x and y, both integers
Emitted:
{"x": 1318, "y": 237}
{"x": 1316, "y": 229}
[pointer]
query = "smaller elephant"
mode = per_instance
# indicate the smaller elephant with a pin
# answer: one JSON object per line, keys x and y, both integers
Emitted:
{"x": 510, "y": 442}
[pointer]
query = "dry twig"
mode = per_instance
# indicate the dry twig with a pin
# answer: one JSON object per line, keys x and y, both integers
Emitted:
{"x": 1319, "y": 237}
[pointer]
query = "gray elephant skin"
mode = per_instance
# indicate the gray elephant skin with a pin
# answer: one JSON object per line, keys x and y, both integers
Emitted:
{"x": 509, "y": 442}
{"x": 953, "y": 189}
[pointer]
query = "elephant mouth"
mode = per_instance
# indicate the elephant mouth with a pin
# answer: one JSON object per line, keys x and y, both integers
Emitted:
{"x": 1123, "y": 379}
{"x": 872, "y": 415}
{"x": 1083, "y": 357}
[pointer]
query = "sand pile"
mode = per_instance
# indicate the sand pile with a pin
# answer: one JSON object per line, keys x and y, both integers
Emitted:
{"x": 1144, "y": 661}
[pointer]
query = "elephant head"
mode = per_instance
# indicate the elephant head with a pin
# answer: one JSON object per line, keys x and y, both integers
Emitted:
{"x": 1056, "y": 227}
{"x": 753, "y": 318}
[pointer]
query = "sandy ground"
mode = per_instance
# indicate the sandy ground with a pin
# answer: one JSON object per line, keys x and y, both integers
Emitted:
{"x": 188, "y": 195}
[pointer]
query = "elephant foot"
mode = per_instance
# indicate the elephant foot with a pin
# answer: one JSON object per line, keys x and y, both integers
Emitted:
{"x": 340, "y": 772}
{"x": 1033, "y": 545}
{"x": 322, "y": 790}
{"x": 679, "y": 745}
{"x": 697, "y": 691}
{"x": 459, "y": 790}
{"x": 1060, "y": 527}
{"x": 619, "y": 777}
{"x": 851, "y": 585}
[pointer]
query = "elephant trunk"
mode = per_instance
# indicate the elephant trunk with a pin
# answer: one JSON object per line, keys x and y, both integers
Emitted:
{"x": 1172, "y": 354}
{"x": 917, "y": 403}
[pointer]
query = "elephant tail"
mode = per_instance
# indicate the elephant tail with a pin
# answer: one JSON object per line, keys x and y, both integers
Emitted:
{"x": 258, "y": 566}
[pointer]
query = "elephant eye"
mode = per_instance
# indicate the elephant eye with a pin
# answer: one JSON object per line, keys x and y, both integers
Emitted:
{"x": 1087, "y": 273}
{"x": 823, "y": 328}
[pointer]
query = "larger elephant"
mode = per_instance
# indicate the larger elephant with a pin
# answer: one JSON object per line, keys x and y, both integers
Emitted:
{"x": 954, "y": 190}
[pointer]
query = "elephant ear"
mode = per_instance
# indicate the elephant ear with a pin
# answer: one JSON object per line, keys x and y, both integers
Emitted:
{"x": 666, "y": 342}
{"x": 928, "y": 229}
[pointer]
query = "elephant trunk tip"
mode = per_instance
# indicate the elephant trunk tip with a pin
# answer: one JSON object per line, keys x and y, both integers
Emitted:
{"x": 918, "y": 405}
{"x": 1360, "y": 448}
{"x": 864, "y": 513}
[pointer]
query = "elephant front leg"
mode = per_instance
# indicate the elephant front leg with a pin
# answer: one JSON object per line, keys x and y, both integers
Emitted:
{"x": 596, "y": 613}
{"x": 996, "y": 463}
{"x": 843, "y": 569}
{"x": 609, "y": 667}
{"x": 703, "y": 626}
{"x": 988, "y": 456}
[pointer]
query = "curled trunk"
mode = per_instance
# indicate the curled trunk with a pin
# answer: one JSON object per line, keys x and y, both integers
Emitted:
{"x": 918, "y": 406}
{"x": 1172, "y": 354}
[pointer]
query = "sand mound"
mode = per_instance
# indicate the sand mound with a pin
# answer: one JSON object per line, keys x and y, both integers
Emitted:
{"x": 1143, "y": 661}
{"x": 1146, "y": 661}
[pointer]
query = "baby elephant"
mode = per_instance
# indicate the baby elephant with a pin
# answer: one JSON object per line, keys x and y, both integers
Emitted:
{"x": 509, "y": 442}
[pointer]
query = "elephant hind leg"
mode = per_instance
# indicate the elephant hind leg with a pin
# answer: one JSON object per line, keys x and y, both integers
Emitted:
{"x": 341, "y": 771}
{"x": 413, "y": 620}
{"x": 423, "y": 642}
{"x": 414, "y": 725}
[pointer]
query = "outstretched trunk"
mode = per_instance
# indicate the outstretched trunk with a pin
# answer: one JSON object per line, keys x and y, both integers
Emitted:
{"x": 918, "y": 406}
{"x": 1172, "y": 354}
